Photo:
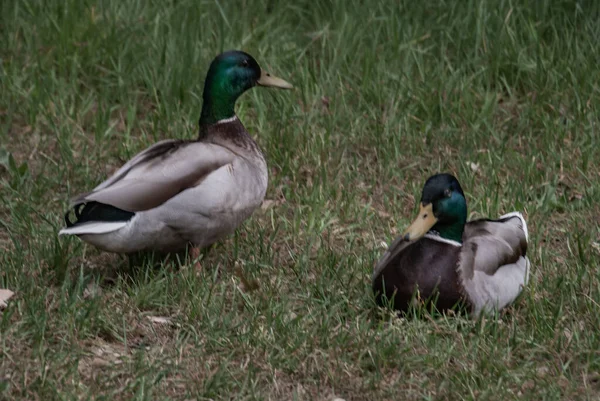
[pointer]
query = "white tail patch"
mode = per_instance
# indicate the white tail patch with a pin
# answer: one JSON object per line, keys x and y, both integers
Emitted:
{"x": 520, "y": 216}
{"x": 94, "y": 227}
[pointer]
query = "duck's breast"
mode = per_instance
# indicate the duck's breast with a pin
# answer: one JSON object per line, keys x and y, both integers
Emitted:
{"x": 426, "y": 270}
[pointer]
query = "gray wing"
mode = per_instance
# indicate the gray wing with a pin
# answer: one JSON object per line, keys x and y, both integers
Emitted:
{"x": 394, "y": 249}
{"x": 493, "y": 266}
{"x": 159, "y": 173}
{"x": 490, "y": 244}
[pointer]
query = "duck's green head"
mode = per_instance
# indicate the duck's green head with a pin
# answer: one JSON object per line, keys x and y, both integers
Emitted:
{"x": 231, "y": 74}
{"x": 443, "y": 209}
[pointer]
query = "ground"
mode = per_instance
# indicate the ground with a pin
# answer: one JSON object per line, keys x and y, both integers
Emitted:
{"x": 505, "y": 95}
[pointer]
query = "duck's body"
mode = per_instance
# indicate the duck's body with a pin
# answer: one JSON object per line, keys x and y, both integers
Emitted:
{"x": 176, "y": 192}
{"x": 224, "y": 183}
{"x": 485, "y": 271}
{"x": 401, "y": 272}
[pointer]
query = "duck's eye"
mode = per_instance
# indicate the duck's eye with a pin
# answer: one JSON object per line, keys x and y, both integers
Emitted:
{"x": 245, "y": 63}
{"x": 448, "y": 193}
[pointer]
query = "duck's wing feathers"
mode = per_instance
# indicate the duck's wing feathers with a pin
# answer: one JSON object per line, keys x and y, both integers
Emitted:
{"x": 158, "y": 173}
{"x": 490, "y": 244}
{"x": 493, "y": 266}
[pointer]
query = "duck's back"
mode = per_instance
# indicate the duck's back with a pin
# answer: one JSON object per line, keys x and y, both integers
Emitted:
{"x": 425, "y": 269}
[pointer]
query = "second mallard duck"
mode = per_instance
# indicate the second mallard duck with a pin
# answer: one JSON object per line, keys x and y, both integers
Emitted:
{"x": 180, "y": 192}
{"x": 445, "y": 261}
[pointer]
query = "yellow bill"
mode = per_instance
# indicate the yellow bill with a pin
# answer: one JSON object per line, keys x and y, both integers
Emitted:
{"x": 267, "y": 79}
{"x": 421, "y": 224}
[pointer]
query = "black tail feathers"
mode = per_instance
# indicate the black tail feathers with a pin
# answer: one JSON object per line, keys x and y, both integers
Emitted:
{"x": 96, "y": 211}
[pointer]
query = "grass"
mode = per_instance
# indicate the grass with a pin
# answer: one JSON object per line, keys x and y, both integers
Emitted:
{"x": 504, "y": 94}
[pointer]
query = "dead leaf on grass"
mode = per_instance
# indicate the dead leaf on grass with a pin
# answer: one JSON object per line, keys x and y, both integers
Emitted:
{"x": 381, "y": 213}
{"x": 542, "y": 371}
{"x": 92, "y": 290}
{"x": 159, "y": 319}
{"x": 382, "y": 244}
{"x": 473, "y": 166}
{"x": 5, "y": 295}
{"x": 102, "y": 355}
{"x": 271, "y": 203}
{"x": 245, "y": 285}
{"x": 99, "y": 362}
{"x": 267, "y": 203}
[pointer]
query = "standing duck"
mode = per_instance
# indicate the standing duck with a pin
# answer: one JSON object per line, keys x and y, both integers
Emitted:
{"x": 180, "y": 192}
{"x": 446, "y": 262}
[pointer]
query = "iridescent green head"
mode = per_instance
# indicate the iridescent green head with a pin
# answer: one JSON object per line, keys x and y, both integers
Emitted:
{"x": 443, "y": 209}
{"x": 231, "y": 74}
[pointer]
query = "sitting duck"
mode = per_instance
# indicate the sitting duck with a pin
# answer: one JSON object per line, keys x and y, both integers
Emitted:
{"x": 444, "y": 261}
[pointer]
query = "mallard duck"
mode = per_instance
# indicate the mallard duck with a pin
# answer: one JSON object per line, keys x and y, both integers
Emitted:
{"x": 446, "y": 262}
{"x": 180, "y": 192}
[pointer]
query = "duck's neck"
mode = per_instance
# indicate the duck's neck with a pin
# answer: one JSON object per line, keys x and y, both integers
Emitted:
{"x": 218, "y": 100}
{"x": 452, "y": 231}
{"x": 452, "y": 217}
{"x": 215, "y": 109}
